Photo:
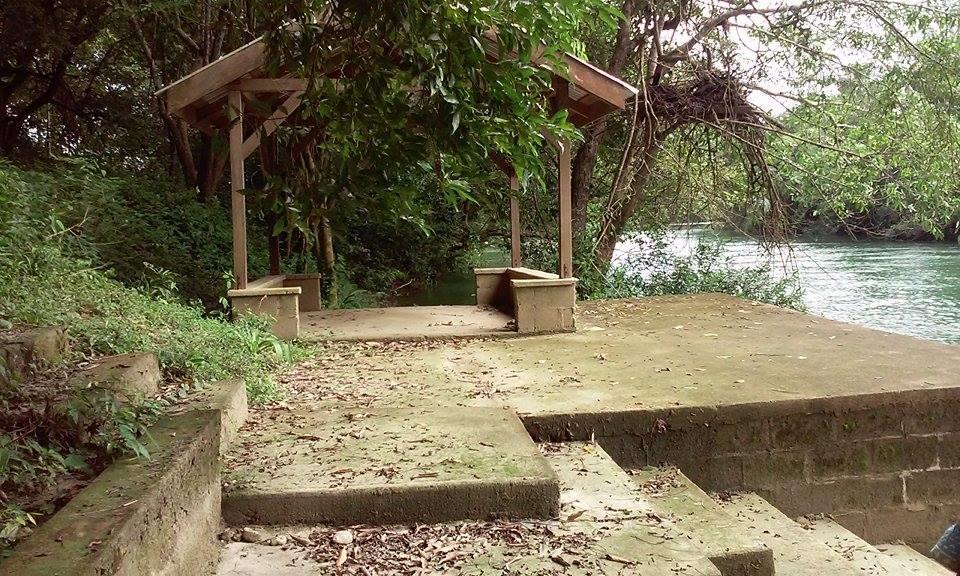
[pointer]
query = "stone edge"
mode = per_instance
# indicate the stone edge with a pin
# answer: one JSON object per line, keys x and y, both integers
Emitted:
{"x": 188, "y": 481}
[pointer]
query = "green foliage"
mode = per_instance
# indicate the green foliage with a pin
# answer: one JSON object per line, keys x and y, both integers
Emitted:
{"x": 149, "y": 232}
{"x": 51, "y": 273}
{"x": 653, "y": 268}
{"x": 891, "y": 159}
{"x": 416, "y": 110}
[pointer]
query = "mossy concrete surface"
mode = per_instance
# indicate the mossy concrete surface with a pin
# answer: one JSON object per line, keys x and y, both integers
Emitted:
{"x": 733, "y": 551}
{"x": 406, "y": 323}
{"x": 139, "y": 517}
{"x": 227, "y": 396}
{"x": 656, "y": 505}
{"x": 704, "y": 352}
{"x": 916, "y": 564}
{"x": 128, "y": 375}
{"x": 383, "y": 466}
{"x": 20, "y": 351}
{"x": 862, "y": 556}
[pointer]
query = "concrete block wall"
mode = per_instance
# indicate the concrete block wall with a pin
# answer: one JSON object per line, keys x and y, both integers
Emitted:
{"x": 887, "y": 467}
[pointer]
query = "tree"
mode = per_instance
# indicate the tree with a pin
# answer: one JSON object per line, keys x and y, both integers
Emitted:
{"x": 893, "y": 164}
{"x": 49, "y": 60}
{"x": 688, "y": 60}
{"x": 176, "y": 37}
{"x": 406, "y": 103}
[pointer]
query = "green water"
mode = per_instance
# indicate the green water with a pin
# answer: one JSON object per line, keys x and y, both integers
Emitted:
{"x": 906, "y": 287}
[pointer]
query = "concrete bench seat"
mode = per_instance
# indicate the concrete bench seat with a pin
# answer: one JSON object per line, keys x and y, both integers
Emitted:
{"x": 540, "y": 302}
{"x": 282, "y": 297}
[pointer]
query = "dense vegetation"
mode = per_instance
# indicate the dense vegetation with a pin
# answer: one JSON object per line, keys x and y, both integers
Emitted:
{"x": 55, "y": 245}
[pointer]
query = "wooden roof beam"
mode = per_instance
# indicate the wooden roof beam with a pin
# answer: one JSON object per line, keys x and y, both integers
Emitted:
{"x": 270, "y": 125}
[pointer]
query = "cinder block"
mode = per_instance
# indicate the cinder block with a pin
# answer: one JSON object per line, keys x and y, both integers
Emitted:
{"x": 855, "y": 521}
{"x": 835, "y": 496}
{"x": 936, "y": 416}
{"x": 919, "y": 528}
{"x": 948, "y": 450}
{"x": 874, "y": 456}
{"x": 713, "y": 474}
{"x": 741, "y": 436}
{"x": 876, "y": 422}
{"x": 933, "y": 487}
{"x": 803, "y": 430}
{"x": 769, "y": 469}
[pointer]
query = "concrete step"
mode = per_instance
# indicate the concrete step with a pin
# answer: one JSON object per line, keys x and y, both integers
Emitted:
{"x": 660, "y": 508}
{"x": 140, "y": 516}
{"x": 605, "y": 528}
{"x": 862, "y": 556}
{"x": 695, "y": 512}
{"x": 796, "y": 551}
{"x": 384, "y": 466}
{"x": 227, "y": 396}
{"x": 127, "y": 376}
{"x": 915, "y": 563}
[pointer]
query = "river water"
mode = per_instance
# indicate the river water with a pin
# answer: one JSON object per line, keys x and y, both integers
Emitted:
{"x": 906, "y": 287}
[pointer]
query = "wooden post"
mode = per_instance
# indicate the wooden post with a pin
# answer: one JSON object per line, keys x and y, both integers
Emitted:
{"x": 515, "y": 260}
{"x": 274, "y": 247}
{"x": 561, "y": 101}
{"x": 238, "y": 203}
{"x": 565, "y": 248}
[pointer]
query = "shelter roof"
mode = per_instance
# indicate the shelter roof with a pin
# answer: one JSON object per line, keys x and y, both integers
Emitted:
{"x": 200, "y": 97}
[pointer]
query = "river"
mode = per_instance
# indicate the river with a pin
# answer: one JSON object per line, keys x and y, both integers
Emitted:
{"x": 906, "y": 287}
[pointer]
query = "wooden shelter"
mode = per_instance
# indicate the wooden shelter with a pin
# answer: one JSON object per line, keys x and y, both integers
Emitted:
{"x": 216, "y": 98}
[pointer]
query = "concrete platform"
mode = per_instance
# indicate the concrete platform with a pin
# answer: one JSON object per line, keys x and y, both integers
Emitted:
{"x": 386, "y": 466}
{"x": 704, "y": 351}
{"x": 405, "y": 323}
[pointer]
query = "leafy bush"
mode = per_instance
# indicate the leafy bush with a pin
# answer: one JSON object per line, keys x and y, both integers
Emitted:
{"x": 126, "y": 223}
{"x": 654, "y": 269}
{"x": 52, "y": 275}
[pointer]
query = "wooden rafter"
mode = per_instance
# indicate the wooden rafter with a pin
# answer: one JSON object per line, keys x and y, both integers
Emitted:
{"x": 272, "y": 84}
{"x": 270, "y": 125}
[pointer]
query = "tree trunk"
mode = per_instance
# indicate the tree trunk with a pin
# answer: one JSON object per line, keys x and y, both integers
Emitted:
{"x": 586, "y": 159}
{"x": 624, "y": 201}
{"x": 325, "y": 248}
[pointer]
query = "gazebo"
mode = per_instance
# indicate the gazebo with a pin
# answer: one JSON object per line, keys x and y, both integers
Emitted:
{"x": 215, "y": 99}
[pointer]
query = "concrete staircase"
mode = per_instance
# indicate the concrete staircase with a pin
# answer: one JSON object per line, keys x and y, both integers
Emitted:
{"x": 654, "y": 522}
{"x": 739, "y": 535}
{"x": 821, "y": 546}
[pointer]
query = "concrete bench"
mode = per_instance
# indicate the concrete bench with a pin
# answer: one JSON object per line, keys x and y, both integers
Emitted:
{"x": 540, "y": 302}
{"x": 282, "y": 297}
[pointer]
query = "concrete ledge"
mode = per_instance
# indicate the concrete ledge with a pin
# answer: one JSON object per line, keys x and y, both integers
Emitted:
{"x": 544, "y": 305}
{"x": 387, "y": 466}
{"x": 227, "y": 396}
{"x": 385, "y": 504}
{"x": 23, "y": 351}
{"x": 252, "y": 292}
{"x": 281, "y": 297}
{"x": 127, "y": 375}
{"x": 139, "y": 517}
{"x": 541, "y": 302}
